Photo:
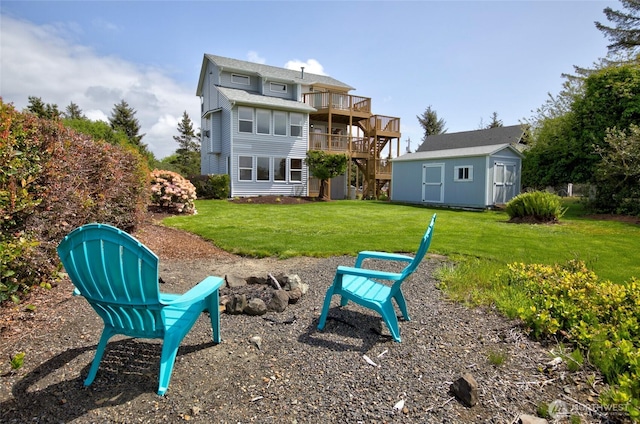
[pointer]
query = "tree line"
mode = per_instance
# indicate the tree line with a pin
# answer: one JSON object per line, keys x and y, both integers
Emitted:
{"x": 123, "y": 128}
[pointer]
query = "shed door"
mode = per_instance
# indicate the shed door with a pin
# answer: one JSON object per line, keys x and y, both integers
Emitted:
{"x": 504, "y": 177}
{"x": 433, "y": 183}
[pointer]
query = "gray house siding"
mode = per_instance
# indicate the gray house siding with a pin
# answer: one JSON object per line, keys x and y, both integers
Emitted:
{"x": 267, "y": 146}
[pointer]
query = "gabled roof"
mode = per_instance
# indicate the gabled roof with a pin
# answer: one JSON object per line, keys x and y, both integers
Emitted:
{"x": 459, "y": 152}
{"x": 492, "y": 136}
{"x": 275, "y": 73}
{"x": 243, "y": 97}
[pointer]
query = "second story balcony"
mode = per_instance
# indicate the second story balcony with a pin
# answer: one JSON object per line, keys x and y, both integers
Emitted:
{"x": 340, "y": 104}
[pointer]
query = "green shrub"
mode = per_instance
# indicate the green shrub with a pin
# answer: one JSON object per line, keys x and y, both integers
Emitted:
{"x": 536, "y": 206}
{"x": 600, "y": 317}
{"x": 212, "y": 186}
{"x": 170, "y": 190}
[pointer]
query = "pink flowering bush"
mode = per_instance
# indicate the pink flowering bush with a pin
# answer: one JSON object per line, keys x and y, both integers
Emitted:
{"x": 171, "y": 190}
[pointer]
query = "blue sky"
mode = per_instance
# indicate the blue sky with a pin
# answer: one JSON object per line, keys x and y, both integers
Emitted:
{"x": 465, "y": 59}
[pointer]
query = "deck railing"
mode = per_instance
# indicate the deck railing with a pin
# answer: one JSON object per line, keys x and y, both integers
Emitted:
{"x": 338, "y": 101}
{"x": 381, "y": 123}
{"x": 338, "y": 143}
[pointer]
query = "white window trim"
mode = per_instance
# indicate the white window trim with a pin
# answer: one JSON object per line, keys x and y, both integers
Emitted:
{"x": 279, "y": 85}
{"x": 269, "y": 168}
{"x": 463, "y": 180}
{"x": 242, "y": 82}
{"x": 253, "y": 120}
{"x": 241, "y": 168}
{"x": 268, "y": 121}
{"x": 276, "y": 163}
{"x": 290, "y": 170}
{"x": 286, "y": 126}
{"x": 291, "y": 125}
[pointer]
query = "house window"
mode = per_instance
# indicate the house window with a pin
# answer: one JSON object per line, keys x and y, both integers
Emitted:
{"x": 463, "y": 173}
{"x": 277, "y": 87}
{"x": 240, "y": 79}
{"x": 245, "y": 119}
{"x": 245, "y": 168}
{"x": 295, "y": 170}
{"x": 263, "y": 121}
{"x": 263, "y": 165}
{"x": 296, "y": 124}
{"x": 279, "y": 123}
{"x": 279, "y": 169}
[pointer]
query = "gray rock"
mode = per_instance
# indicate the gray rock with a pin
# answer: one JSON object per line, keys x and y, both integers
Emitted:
{"x": 256, "y": 306}
{"x": 530, "y": 419}
{"x": 466, "y": 390}
{"x": 295, "y": 295}
{"x": 279, "y": 301}
{"x": 234, "y": 281}
{"x": 236, "y": 304}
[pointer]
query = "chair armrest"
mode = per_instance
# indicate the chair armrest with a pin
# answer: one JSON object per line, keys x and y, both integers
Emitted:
{"x": 203, "y": 289}
{"x": 367, "y": 254}
{"x": 368, "y": 273}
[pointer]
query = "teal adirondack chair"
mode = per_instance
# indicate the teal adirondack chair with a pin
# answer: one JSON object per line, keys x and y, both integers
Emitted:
{"x": 118, "y": 276}
{"x": 363, "y": 286}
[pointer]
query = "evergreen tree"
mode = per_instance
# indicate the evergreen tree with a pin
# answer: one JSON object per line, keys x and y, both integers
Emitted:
{"x": 123, "y": 119}
{"x": 188, "y": 140}
{"x": 42, "y": 110}
{"x": 73, "y": 111}
{"x": 430, "y": 123}
{"x": 495, "y": 122}
{"x": 187, "y": 157}
{"x": 624, "y": 33}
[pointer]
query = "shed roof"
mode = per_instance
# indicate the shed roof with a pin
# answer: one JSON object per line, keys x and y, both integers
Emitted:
{"x": 487, "y": 137}
{"x": 487, "y": 150}
{"x": 276, "y": 73}
{"x": 244, "y": 97}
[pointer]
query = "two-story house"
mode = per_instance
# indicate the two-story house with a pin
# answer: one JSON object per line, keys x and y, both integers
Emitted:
{"x": 258, "y": 122}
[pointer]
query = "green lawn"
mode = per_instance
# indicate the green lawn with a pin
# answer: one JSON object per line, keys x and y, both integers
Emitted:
{"x": 483, "y": 241}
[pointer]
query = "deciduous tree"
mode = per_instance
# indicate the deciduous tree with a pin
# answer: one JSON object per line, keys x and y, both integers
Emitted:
{"x": 325, "y": 166}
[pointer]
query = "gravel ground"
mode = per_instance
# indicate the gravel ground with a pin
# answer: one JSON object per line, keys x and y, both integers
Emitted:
{"x": 297, "y": 374}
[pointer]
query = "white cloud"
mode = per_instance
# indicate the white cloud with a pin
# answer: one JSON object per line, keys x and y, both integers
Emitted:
{"x": 39, "y": 61}
{"x": 312, "y": 66}
{"x": 253, "y": 56}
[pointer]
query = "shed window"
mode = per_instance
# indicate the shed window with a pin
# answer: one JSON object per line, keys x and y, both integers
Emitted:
{"x": 240, "y": 79}
{"x": 463, "y": 173}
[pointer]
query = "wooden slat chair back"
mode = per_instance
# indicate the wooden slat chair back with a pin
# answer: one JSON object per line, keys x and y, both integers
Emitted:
{"x": 118, "y": 276}
{"x": 364, "y": 287}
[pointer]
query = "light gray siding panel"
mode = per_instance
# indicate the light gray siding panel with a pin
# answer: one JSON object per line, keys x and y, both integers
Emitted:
{"x": 254, "y": 81}
{"x": 465, "y": 193}
{"x": 406, "y": 182}
{"x": 262, "y": 145}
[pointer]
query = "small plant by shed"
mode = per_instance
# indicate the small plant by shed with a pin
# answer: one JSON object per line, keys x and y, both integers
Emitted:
{"x": 535, "y": 207}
